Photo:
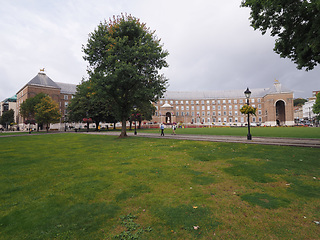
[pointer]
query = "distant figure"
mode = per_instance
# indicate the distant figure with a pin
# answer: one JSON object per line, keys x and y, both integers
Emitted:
{"x": 162, "y": 129}
{"x": 174, "y": 129}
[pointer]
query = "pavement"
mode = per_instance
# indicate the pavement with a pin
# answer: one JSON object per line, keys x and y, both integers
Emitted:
{"x": 297, "y": 142}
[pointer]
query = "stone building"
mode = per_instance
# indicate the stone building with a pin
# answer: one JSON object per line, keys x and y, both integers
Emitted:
{"x": 274, "y": 107}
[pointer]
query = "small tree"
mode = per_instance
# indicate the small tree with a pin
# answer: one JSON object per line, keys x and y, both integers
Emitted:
{"x": 47, "y": 111}
{"x": 125, "y": 58}
{"x": 316, "y": 106}
{"x": 7, "y": 118}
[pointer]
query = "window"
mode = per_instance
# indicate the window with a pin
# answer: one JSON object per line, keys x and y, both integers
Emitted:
{"x": 236, "y": 113}
{"x": 192, "y": 102}
{"x": 219, "y": 113}
{"x": 208, "y": 120}
{"x": 202, "y": 102}
{"x": 161, "y": 101}
{"x": 213, "y": 107}
{"x": 203, "y": 108}
{"x": 213, "y": 102}
{"x": 166, "y": 102}
{"x": 198, "y": 107}
{"x": 213, "y": 113}
{"x": 177, "y": 102}
{"x": 236, "y": 107}
{"x": 223, "y": 101}
{"x": 260, "y": 119}
{"x": 235, "y": 101}
{"x": 66, "y": 104}
{"x": 208, "y": 107}
{"x": 252, "y": 100}
{"x": 259, "y": 105}
{"x": 157, "y": 107}
{"x": 230, "y": 107}
{"x": 192, "y": 114}
{"x": 230, "y": 113}
{"x": 65, "y": 97}
{"x": 218, "y": 101}
{"x": 259, "y": 112}
{"x": 208, "y": 102}
{"x": 242, "y": 119}
{"x": 224, "y": 107}
{"x": 177, "y": 114}
{"x": 230, "y": 120}
{"x": 203, "y": 120}
{"x": 236, "y": 119}
{"x": 187, "y": 108}
{"x": 219, "y": 119}
{"x": 213, "y": 120}
{"x": 177, "y": 107}
{"x": 224, "y": 119}
{"x": 241, "y": 100}
{"x": 181, "y": 102}
{"x": 182, "y": 113}
{"x": 259, "y": 100}
{"x": 229, "y": 101}
{"x": 171, "y": 102}
{"x": 156, "y": 113}
{"x": 182, "y": 108}
{"x": 187, "y": 102}
{"x": 187, "y": 113}
{"x": 203, "y": 113}
{"x": 219, "y": 107}
{"x": 192, "y": 107}
{"x": 208, "y": 113}
{"x": 224, "y": 113}
{"x": 253, "y": 119}
{"x": 197, "y": 102}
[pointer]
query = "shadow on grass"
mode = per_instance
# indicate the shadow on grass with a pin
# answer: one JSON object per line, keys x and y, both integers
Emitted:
{"x": 265, "y": 200}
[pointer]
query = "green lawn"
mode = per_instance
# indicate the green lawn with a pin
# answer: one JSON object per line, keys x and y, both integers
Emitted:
{"x": 284, "y": 132}
{"x": 77, "y": 186}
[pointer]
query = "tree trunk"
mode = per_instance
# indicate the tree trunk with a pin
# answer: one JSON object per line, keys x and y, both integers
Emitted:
{"x": 123, "y": 129}
{"x": 97, "y": 125}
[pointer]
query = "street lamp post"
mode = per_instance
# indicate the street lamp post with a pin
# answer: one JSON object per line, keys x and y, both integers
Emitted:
{"x": 135, "y": 120}
{"x": 247, "y": 93}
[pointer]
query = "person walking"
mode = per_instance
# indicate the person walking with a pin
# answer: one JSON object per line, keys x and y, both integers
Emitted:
{"x": 162, "y": 129}
{"x": 173, "y": 129}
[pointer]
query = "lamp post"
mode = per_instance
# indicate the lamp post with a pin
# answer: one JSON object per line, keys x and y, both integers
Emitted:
{"x": 247, "y": 93}
{"x": 135, "y": 120}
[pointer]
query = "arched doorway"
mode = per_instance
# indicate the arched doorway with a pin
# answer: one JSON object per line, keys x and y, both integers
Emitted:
{"x": 168, "y": 117}
{"x": 280, "y": 113}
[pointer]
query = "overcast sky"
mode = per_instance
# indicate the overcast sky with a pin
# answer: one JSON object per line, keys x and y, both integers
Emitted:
{"x": 210, "y": 42}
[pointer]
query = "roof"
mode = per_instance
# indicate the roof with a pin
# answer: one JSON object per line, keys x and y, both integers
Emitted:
{"x": 11, "y": 99}
{"x": 67, "y": 88}
{"x": 192, "y": 95}
{"x": 278, "y": 88}
{"x": 42, "y": 80}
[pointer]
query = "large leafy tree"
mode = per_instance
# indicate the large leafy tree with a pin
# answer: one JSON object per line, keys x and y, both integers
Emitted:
{"x": 47, "y": 111}
{"x": 296, "y": 23}
{"x": 87, "y": 103}
{"x": 7, "y": 118}
{"x": 125, "y": 58}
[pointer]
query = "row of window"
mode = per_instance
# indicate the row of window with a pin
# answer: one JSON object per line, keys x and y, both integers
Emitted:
{"x": 225, "y": 120}
{"x": 235, "y": 101}
{"x": 219, "y": 113}
{"x": 203, "y": 108}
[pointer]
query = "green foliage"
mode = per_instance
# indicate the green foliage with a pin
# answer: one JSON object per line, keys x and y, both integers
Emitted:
{"x": 133, "y": 230}
{"x": 7, "y": 118}
{"x": 296, "y": 23}
{"x": 125, "y": 58}
{"x": 247, "y": 109}
{"x": 299, "y": 102}
{"x": 27, "y": 108}
{"x": 316, "y": 106}
{"x": 47, "y": 111}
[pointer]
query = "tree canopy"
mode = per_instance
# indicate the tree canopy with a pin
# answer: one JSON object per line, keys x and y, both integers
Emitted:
{"x": 125, "y": 58}
{"x": 86, "y": 103}
{"x": 299, "y": 102}
{"x": 296, "y": 23}
{"x": 47, "y": 111}
{"x": 27, "y": 108}
{"x": 7, "y": 118}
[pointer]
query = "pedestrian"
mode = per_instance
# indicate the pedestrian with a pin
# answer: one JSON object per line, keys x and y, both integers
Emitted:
{"x": 173, "y": 129}
{"x": 162, "y": 129}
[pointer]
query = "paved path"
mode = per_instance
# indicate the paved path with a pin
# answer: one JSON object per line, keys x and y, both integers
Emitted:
{"x": 298, "y": 142}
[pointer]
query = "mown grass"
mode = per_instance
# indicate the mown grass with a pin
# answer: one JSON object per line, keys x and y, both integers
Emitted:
{"x": 75, "y": 186}
{"x": 283, "y": 132}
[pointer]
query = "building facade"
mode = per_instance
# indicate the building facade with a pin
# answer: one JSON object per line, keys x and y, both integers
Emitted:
{"x": 274, "y": 107}
{"x": 61, "y": 93}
